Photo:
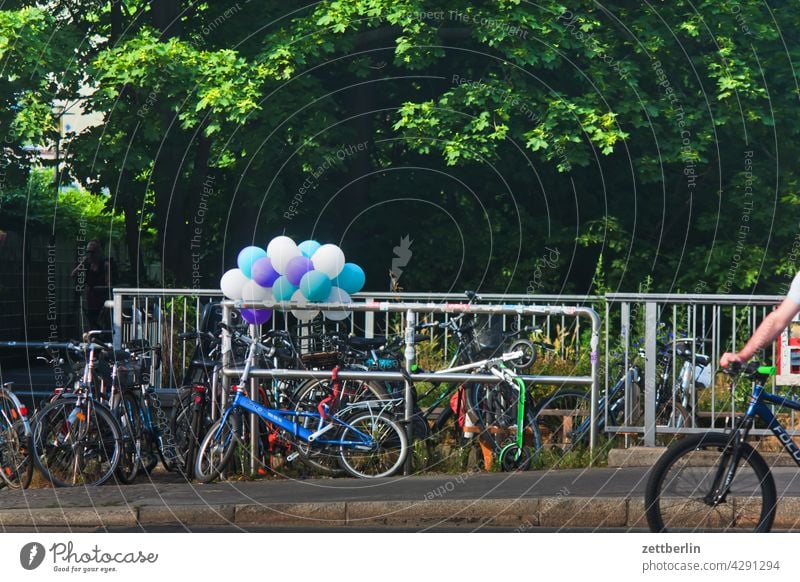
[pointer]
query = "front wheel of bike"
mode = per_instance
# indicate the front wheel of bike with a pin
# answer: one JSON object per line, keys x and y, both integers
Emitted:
{"x": 76, "y": 444}
{"x": 306, "y": 399}
{"x": 375, "y": 445}
{"x": 216, "y": 450}
{"x": 16, "y": 463}
{"x": 563, "y": 420}
{"x": 684, "y": 482}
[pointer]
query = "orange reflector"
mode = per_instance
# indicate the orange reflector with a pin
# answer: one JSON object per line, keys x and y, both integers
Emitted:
{"x": 80, "y": 416}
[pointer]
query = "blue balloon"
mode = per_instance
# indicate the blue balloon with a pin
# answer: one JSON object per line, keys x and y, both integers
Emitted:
{"x": 351, "y": 279}
{"x": 308, "y": 247}
{"x": 248, "y": 256}
{"x": 282, "y": 290}
{"x": 315, "y": 286}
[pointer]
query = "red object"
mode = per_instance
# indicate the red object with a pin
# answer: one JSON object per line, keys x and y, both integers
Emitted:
{"x": 458, "y": 405}
{"x": 329, "y": 401}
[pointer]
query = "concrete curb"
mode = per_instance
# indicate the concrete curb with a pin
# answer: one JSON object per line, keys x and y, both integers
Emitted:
{"x": 567, "y": 512}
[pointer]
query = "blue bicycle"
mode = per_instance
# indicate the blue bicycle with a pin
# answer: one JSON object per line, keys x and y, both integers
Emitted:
{"x": 363, "y": 435}
{"x": 716, "y": 481}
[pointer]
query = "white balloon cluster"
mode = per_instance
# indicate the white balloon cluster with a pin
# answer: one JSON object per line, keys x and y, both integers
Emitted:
{"x": 306, "y": 273}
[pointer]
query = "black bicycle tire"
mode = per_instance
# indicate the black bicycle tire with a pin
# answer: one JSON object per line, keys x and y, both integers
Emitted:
{"x": 216, "y": 470}
{"x": 546, "y": 429}
{"x": 130, "y": 424}
{"x": 19, "y": 442}
{"x": 320, "y": 459}
{"x": 99, "y": 411}
{"x": 394, "y": 431}
{"x": 487, "y": 426}
{"x": 679, "y": 449}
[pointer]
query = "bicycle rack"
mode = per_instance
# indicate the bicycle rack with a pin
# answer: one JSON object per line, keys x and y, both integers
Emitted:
{"x": 411, "y": 310}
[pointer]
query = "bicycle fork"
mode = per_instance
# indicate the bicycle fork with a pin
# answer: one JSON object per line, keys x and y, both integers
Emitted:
{"x": 726, "y": 471}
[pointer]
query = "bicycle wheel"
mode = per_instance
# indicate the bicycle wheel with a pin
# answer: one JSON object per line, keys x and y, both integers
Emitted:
{"x": 130, "y": 424}
{"x": 16, "y": 464}
{"x": 76, "y": 444}
{"x": 216, "y": 450}
{"x": 682, "y": 481}
{"x": 307, "y": 398}
{"x": 186, "y": 431}
{"x": 379, "y": 446}
{"x": 563, "y": 420}
{"x": 495, "y": 411}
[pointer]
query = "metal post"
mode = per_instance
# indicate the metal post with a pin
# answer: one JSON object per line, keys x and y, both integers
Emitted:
{"x": 650, "y": 322}
{"x": 255, "y": 334}
{"x": 594, "y": 344}
{"x": 410, "y": 356}
{"x": 369, "y": 322}
{"x": 625, "y": 320}
{"x": 116, "y": 332}
{"x": 227, "y": 357}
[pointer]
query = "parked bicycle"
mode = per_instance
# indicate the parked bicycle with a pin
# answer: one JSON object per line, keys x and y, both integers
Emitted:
{"x": 368, "y": 441}
{"x": 16, "y": 461}
{"x": 76, "y": 439}
{"x": 564, "y": 417}
{"x": 717, "y": 481}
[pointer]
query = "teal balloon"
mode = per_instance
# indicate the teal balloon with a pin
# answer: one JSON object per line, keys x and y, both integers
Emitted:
{"x": 282, "y": 290}
{"x": 315, "y": 286}
{"x": 308, "y": 247}
{"x": 351, "y": 279}
{"x": 248, "y": 256}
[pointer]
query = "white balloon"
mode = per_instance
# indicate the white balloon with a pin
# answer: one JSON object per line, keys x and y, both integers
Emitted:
{"x": 232, "y": 283}
{"x": 329, "y": 259}
{"x": 303, "y": 314}
{"x": 280, "y": 251}
{"x": 337, "y": 296}
{"x": 252, "y": 292}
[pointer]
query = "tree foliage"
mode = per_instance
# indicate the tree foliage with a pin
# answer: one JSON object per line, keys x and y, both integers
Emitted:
{"x": 659, "y": 136}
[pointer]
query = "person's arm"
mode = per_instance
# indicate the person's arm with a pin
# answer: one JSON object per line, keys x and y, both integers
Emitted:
{"x": 80, "y": 267}
{"x": 765, "y": 334}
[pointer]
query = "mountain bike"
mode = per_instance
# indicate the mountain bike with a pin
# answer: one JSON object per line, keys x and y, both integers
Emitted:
{"x": 368, "y": 441}
{"x": 717, "y": 481}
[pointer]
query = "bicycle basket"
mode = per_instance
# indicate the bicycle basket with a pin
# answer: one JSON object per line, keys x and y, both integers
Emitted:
{"x": 488, "y": 333}
{"x": 321, "y": 360}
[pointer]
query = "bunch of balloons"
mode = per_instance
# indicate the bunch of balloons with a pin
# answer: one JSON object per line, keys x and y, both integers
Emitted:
{"x": 285, "y": 271}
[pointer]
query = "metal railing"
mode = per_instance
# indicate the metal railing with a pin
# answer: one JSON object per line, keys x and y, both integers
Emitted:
{"x": 411, "y": 311}
{"x": 630, "y": 319}
{"x": 643, "y": 320}
{"x": 158, "y": 315}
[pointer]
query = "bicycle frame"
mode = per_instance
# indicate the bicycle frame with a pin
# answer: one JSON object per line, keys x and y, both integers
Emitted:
{"x": 282, "y": 419}
{"x": 758, "y": 408}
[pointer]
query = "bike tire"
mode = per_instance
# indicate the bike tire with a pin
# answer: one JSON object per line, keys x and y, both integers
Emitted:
{"x": 388, "y": 453}
{"x": 130, "y": 423}
{"x": 306, "y": 399}
{"x": 494, "y": 409}
{"x": 563, "y": 420}
{"x": 16, "y": 461}
{"x": 83, "y": 452}
{"x": 216, "y": 450}
{"x": 680, "y": 479}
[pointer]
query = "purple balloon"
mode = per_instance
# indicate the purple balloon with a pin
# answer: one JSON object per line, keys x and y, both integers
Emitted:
{"x": 298, "y": 267}
{"x": 263, "y": 273}
{"x": 256, "y": 316}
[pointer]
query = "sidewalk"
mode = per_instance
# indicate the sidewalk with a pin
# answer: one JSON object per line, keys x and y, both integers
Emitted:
{"x": 573, "y": 498}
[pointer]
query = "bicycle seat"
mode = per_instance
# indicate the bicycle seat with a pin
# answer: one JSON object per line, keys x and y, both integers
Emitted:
{"x": 366, "y": 342}
{"x": 99, "y": 336}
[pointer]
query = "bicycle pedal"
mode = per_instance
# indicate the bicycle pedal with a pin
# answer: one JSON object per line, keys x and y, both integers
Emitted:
{"x": 292, "y": 457}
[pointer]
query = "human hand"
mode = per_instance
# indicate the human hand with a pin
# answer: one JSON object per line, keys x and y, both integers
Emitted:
{"x": 729, "y": 358}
